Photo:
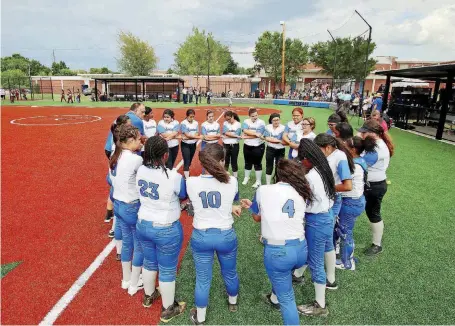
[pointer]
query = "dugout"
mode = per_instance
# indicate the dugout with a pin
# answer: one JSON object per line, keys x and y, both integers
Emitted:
{"x": 440, "y": 106}
{"x": 140, "y": 88}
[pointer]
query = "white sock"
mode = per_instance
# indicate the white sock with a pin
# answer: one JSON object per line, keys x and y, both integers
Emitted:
{"x": 378, "y": 230}
{"x": 235, "y": 174}
{"x": 330, "y": 262}
{"x": 247, "y": 174}
{"x": 319, "y": 290}
{"x": 126, "y": 271}
{"x": 136, "y": 272}
{"x": 258, "y": 176}
{"x": 232, "y": 300}
{"x": 113, "y": 223}
{"x": 299, "y": 271}
{"x": 118, "y": 246}
{"x": 268, "y": 179}
{"x": 167, "y": 290}
{"x": 274, "y": 298}
{"x": 149, "y": 278}
{"x": 187, "y": 174}
{"x": 201, "y": 312}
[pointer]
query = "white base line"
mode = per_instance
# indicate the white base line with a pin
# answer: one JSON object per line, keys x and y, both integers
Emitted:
{"x": 64, "y": 301}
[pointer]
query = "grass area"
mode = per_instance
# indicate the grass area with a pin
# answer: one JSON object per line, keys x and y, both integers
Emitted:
{"x": 410, "y": 283}
{"x": 8, "y": 268}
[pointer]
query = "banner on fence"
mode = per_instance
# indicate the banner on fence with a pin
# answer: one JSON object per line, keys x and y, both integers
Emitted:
{"x": 312, "y": 104}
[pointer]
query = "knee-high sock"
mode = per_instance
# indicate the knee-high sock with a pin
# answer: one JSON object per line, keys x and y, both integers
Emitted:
{"x": 378, "y": 230}
{"x": 268, "y": 179}
{"x": 149, "y": 278}
{"x": 299, "y": 271}
{"x": 258, "y": 176}
{"x": 167, "y": 290}
{"x": 126, "y": 271}
{"x": 118, "y": 246}
{"x": 330, "y": 262}
{"x": 136, "y": 272}
{"x": 247, "y": 174}
{"x": 235, "y": 174}
{"x": 201, "y": 312}
{"x": 232, "y": 299}
{"x": 187, "y": 174}
{"x": 319, "y": 290}
{"x": 274, "y": 298}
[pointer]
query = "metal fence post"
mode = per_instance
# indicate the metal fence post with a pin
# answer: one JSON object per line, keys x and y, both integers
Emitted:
{"x": 52, "y": 88}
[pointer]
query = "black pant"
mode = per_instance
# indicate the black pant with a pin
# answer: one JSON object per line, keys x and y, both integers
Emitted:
{"x": 253, "y": 156}
{"x": 373, "y": 196}
{"x": 108, "y": 154}
{"x": 173, "y": 151}
{"x": 272, "y": 156}
{"x": 188, "y": 151}
{"x": 231, "y": 156}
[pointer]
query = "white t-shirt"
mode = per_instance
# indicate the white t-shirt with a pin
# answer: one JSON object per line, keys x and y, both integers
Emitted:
{"x": 149, "y": 128}
{"x": 358, "y": 183}
{"x": 282, "y": 211}
{"x": 377, "y": 161}
{"x": 159, "y": 195}
{"x": 212, "y": 201}
{"x": 300, "y": 136}
{"x": 235, "y": 128}
{"x": 210, "y": 129}
{"x": 189, "y": 128}
{"x": 124, "y": 181}
{"x": 321, "y": 203}
{"x": 258, "y": 126}
{"x": 339, "y": 165}
{"x": 164, "y": 127}
{"x": 276, "y": 133}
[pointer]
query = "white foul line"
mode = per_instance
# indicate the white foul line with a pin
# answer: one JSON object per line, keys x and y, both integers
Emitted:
{"x": 64, "y": 301}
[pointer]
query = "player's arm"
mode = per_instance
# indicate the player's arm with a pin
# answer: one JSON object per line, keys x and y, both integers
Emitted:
{"x": 345, "y": 177}
{"x": 286, "y": 135}
{"x": 253, "y": 207}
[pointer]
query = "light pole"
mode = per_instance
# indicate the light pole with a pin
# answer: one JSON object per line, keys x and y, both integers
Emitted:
{"x": 208, "y": 64}
{"x": 283, "y": 52}
{"x": 334, "y": 64}
{"x": 366, "y": 59}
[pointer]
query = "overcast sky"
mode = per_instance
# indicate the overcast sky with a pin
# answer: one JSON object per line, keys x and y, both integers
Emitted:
{"x": 83, "y": 32}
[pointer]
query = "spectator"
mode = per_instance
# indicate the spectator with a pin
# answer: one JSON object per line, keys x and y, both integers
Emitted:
{"x": 377, "y": 102}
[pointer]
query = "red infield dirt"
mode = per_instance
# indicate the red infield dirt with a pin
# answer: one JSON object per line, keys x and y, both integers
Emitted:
{"x": 53, "y": 203}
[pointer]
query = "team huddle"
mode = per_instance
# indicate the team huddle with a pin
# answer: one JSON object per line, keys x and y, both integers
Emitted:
{"x": 307, "y": 209}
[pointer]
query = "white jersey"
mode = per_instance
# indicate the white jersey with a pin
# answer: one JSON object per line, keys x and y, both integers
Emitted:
{"x": 258, "y": 126}
{"x": 159, "y": 195}
{"x": 210, "y": 129}
{"x": 321, "y": 203}
{"x": 293, "y": 129}
{"x": 164, "y": 127}
{"x": 358, "y": 180}
{"x": 149, "y": 128}
{"x": 339, "y": 165}
{"x": 282, "y": 211}
{"x": 235, "y": 128}
{"x": 300, "y": 136}
{"x": 276, "y": 133}
{"x": 124, "y": 181}
{"x": 212, "y": 201}
{"x": 378, "y": 162}
{"x": 191, "y": 128}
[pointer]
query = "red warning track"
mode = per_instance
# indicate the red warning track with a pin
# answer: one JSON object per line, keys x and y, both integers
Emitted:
{"x": 53, "y": 202}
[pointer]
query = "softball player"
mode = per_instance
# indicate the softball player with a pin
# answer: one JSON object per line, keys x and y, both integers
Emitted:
{"x": 190, "y": 135}
{"x": 168, "y": 128}
{"x": 353, "y": 202}
{"x": 149, "y": 123}
{"x": 344, "y": 131}
{"x": 253, "y": 148}
{"x": 124, "y": 164}
{"x": 308, "y": 125}
{"x": 292, "y": 128}
{"x": 281, "y": 210}
{"x": 212, "y": 195}
{"x": 318, "y": 224}
{"x": 158, "y": 226}
{"x": 210, "y": 130}
{"x": 232, "y": 133}
{"x": 377, "y": 162}
{"x": 333, "y": 119}
{"x": 273, "y": 135}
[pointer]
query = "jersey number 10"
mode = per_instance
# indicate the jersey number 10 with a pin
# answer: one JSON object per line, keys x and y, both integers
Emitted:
{"x": 211, "y": 199}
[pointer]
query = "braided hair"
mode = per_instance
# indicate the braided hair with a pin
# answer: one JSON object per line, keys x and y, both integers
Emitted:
{"x": 124, "y": 133}
{"x": 310, "y": 151}
{"x": 324, "y": 140}
{"x": 293, "y": 173}
{"x": 210, "y": 158}
{"x": 154, "y": 150}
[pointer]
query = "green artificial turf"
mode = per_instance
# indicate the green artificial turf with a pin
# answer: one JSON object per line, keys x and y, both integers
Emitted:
{"x": 8, "y": 268}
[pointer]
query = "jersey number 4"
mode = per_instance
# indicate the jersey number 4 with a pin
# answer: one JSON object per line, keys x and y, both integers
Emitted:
{"x": 153, "y": 194}
{"x": 211, "y": 199}
{"x": 288, "y": 208}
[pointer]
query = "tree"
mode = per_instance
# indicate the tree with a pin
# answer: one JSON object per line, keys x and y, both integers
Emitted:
{"x": 58, "y": 67}
{"x": 232, "y": 67}
{"x": 350, "y": 57}
{"x": 14, "y": 78}
{"x": 170, "y": 71}
{"x": 102, "y": 70}
{"x": 198, "y": 52}
{"x": 268, "y": 54}
{"x": 26, "y": 65}
{"x": 137, "y": 57}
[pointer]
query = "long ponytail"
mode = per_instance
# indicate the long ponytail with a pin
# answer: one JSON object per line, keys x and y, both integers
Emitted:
{"x": 323, "y": 140}
{"x": 124, "y": 133}
{"x": 210, "y": 158}
{"x": 374, "y": 127}
{"x": 292, "y": 172}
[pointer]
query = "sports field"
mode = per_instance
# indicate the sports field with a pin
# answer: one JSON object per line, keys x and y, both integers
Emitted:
{"x": 53, "y": 204}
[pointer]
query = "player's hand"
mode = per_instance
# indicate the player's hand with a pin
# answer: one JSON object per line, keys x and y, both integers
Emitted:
{"x": 246, "y": 203}
{"x": 236, "y": 210}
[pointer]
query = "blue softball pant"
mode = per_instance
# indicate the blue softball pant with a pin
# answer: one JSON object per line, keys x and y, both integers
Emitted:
{"x": 204, "y": 244}
{"x": 319, "y": 235}
{"x": 126, "y": 219}
{"x": 280, "y": 261}
{"x": 161, "y": 245}
{"x": 351, "y": 209}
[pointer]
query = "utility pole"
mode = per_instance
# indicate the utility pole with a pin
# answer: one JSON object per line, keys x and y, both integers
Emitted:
{"x": 334, "y": 64}
{"x": 283, "y": 82}
{"x": 366, "y": 60}
{"x": 53, "y": 56}
{"x": 208, "y": 64}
